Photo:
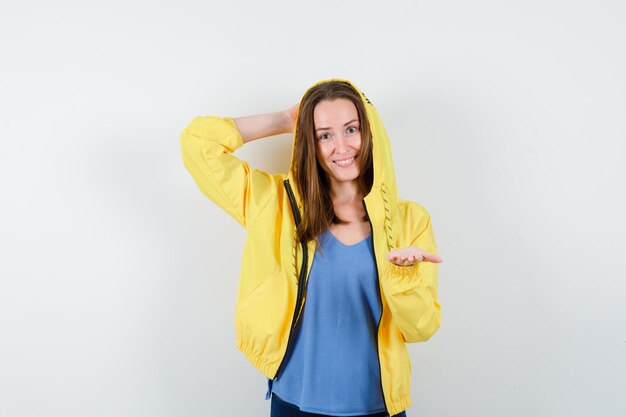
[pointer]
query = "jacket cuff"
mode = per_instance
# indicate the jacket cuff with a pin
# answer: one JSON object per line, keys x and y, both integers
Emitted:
{"x": 404, "y": 272}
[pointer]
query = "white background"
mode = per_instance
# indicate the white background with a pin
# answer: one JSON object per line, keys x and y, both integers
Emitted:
{"x": 118, "y": 277}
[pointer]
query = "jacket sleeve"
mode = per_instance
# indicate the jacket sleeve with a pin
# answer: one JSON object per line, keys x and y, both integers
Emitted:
{"x": 207, "y": 144}
{"x": 411, "y": 291}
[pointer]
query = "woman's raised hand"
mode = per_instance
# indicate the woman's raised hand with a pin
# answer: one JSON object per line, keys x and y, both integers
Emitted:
{"x": 411, "y": 255}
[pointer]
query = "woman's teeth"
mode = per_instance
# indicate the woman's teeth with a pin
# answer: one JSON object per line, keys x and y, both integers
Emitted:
{"x": 345, "y": 163}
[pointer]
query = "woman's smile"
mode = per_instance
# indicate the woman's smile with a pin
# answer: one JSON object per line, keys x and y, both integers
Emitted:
{"x": 345, "y": 163}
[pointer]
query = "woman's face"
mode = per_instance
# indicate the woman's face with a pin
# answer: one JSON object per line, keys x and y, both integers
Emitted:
{"x": 338, "y": 138}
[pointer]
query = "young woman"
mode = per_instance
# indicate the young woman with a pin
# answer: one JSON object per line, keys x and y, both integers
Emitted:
{"x": 338, "y": 273}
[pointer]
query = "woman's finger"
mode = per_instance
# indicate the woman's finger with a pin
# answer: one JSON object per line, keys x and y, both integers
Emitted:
{"x": 432, "y": 258}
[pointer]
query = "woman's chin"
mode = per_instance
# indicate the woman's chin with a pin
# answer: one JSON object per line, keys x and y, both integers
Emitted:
{"x": 345, "y": 176}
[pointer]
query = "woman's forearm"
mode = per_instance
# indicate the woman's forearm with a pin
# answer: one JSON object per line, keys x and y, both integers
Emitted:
{"x": 263, "y": 125}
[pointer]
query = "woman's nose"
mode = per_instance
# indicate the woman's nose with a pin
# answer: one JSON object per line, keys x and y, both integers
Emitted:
{"x": 341, "y": 145}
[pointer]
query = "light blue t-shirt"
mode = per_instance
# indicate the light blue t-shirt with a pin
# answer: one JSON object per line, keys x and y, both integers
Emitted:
{"x": 332, "y": 365}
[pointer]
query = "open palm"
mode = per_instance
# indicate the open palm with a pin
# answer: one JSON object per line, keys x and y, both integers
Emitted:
{"x": 411, "y": 255}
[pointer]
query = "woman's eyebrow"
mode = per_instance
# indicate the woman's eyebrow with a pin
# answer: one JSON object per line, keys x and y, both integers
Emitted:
{"x": 328, "y": 128}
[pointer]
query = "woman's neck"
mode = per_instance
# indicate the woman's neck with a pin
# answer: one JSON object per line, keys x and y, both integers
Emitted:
{"x": 345, "y": 193}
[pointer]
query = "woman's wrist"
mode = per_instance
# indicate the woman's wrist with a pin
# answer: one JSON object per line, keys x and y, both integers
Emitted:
{"x": 284, "y": 122}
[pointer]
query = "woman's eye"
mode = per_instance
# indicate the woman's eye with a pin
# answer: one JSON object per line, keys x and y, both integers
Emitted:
{"x": 353, "y": 129}
{"x": 324, "y": 136}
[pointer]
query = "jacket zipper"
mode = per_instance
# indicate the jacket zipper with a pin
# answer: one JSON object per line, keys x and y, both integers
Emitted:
{"x": 380, "y": 299}
{"x": 301, "y": 278}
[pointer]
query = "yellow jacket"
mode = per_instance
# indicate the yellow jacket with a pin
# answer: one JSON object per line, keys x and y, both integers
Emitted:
{"x": 274, "y": 269}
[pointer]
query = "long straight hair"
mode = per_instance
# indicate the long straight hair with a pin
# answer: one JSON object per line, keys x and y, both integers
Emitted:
{"x": 312, "y": 181}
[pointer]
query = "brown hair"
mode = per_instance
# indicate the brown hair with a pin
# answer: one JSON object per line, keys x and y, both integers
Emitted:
{"x": 312, "y": 181}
